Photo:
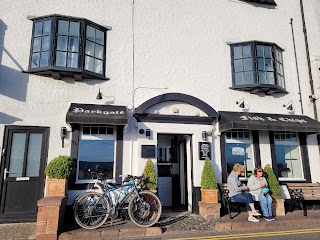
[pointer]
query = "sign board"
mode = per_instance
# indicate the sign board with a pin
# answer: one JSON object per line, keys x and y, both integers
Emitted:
{"x": 238, "y": 151}
{"x": 148, "y": 151}
{"x": 204, "y": 150}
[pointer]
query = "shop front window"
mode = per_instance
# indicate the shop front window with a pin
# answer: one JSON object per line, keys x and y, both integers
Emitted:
{"x": 288, "y": 156}
{"x": 239, "y": 150}
{"x": 96, "y": 152}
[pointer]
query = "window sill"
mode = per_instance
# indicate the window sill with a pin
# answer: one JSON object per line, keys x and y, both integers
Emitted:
{"x": 59, "y": 74}
{"x": 255, "y": 88}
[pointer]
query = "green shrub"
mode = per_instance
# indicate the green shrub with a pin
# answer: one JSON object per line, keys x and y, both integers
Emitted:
{"x": 149, "y": 176}
{"x": 61, "y": 167}
{"x": 208, "y": 178}
{"x": 273, "y": 182}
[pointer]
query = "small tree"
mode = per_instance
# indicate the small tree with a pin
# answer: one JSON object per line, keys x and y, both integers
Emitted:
{"x": 61, "y": 167}
{"x": 273, "y": 182}
{"x": 150, "y": 179}
{"x": 208, "y": 178}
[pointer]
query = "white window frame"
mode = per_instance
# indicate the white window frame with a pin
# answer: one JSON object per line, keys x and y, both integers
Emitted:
{"x": 97, "y": 137}
{"x": 245, "y": 141}
{"x": 290, "y": 143}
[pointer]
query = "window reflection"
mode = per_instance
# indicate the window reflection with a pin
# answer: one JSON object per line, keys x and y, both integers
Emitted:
{"x": 95, "y": 155}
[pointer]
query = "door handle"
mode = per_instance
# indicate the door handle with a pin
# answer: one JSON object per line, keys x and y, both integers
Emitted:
{"x": 171, "y": 172}
{"x": 5, "y": 174}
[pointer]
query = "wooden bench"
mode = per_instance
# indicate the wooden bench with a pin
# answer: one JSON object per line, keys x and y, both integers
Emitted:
{"x": 301, "y": 192}
{"x": 227, "y": 203}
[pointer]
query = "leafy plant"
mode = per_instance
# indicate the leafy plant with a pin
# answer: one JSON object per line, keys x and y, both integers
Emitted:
{"x": 149, "y": 176}
{"x": 208, "y": 178}
{"x": 61, "y": 167}
{"x": 273, "y": 182}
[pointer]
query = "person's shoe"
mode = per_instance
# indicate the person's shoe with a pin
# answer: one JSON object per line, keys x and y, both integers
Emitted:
{"x": 270, "y": 219}
{"x": 253, "y": 219}
{"x": 255, "y": 213}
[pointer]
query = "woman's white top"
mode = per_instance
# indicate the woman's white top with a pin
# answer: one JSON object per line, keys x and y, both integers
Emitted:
{"x": 255, "y": 187}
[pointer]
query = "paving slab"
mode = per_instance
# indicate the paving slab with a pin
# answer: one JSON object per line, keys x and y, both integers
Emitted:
{"x": 18, "y": 231}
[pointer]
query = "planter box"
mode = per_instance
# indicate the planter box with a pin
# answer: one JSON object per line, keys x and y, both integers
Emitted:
{"x": 56, "y": 187}
{"x": 209, "y": 195}
{"x": 278, "y": 207}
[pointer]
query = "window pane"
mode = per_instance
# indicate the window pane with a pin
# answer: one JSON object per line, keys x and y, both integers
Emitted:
{"x": 34, "y": 154}
{"x": 102, "y": 130}
{"x": 96, "y": 154}
{"x": 94, "y": 129}
{"x": 248, "y": 77}
{"x": 267, "y": 52}
{"x": 247, "y": 64}
{"x": 261, "y": 64}
{"x": 110, "y": 130}
{"x": 74, "y": 29}
{"x": 99, "y": 37}
{"x": 270, "y": 78}
{"x": 239, "y": 153}
{"x": 262, "y": 77}
{"x": 47, "y": 27}
{"x": 44, "y": 59}
{"x": 246, "y": 51}
{"x": 45, "y": 43}
{"x": 288, "y": 161}
{"x": 89, "y": 63}
{"x": 17, "y": 154}
{"x": 72, "y": 60}
{"x": 38, "y": 29}
{"x": 63, "y": 27}
{"x": 61, "y": 59}
{"x": 73, "y": 45}
{"x": 36, "y": 44}
{"x": 269, "y": 64}
{"x": 86, "y": 129}
{"x": 89, "y": 48}
{"x": 237, "y": 52}
{"x": 260, "y": 51}
{"x": 90, "y": 33}
{"x": 238, "y": 67}
{"x": 35, "y": 59}
{"x": 238, "y": 78}
{"x": 62, "y": 43}
{"x": 98, "y": 51}
{"x": 98, "y": 65}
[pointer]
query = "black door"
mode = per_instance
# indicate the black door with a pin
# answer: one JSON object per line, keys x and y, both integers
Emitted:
{"x": 24, "y": 156}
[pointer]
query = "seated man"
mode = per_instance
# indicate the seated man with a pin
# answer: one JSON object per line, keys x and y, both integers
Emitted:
{"x": 237, "y": 192}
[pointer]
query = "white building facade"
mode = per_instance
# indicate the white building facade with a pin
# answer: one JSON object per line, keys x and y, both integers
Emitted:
{"x": 177, "y": 81}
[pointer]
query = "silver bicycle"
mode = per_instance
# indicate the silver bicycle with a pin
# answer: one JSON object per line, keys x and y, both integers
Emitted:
{"x": 94, "y": 208}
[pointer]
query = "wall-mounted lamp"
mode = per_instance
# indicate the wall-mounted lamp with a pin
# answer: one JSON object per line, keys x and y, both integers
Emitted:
{"x": 63, "y": 134}
{"x": 148, "y": 133}
{"x": 241, "y": 103}
{"x": 204, "y": 135}
{"x": 313, "y": 98}
{"x": 99, "y": 96}
{"x": 289, "y": 106}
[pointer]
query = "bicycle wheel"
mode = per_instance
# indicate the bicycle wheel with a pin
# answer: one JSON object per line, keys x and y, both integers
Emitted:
{"x": 91, "y": 210}
{"x": 146, "y": 212}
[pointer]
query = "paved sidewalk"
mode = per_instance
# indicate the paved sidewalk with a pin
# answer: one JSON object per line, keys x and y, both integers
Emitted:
{"x": 184, "y": 223}
{"x": 17, "y": 231}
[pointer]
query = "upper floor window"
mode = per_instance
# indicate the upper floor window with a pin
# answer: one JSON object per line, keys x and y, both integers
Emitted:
{"x": 257, "y": 66}
{"x": 64, "y": 46}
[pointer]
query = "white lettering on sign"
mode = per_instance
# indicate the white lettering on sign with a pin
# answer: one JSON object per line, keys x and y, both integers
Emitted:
{"x": 22, "y": 179}
{"x": 270, "y": 119}
{"x": 238, "y": 151}
{"x": 205, "y": 149}
{"x": 81, "y": 110}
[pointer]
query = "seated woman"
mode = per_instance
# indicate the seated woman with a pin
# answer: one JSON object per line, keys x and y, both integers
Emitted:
{"x": 258, "y": 186}
{"x": 237, "y": 192}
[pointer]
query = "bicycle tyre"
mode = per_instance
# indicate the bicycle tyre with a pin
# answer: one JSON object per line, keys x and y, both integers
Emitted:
{"x": 91, "y": 217}
{"x": 147, "y": 212}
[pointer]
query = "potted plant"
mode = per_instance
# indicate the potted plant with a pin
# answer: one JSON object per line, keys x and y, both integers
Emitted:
{"x": 58, "y": 171}
{"x": 275, "y": 191}
{"x": 149, "y": 177}
{"x": 209, "y": 191}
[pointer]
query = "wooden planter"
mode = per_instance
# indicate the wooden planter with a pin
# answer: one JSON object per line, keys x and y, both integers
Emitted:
{"x": 209, "y": 195}
{"x": 55, "y": 187}
{"x": 278, "y": 207}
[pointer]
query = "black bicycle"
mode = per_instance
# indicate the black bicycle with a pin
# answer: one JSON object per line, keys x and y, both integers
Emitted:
{"x": 92, "y": 209}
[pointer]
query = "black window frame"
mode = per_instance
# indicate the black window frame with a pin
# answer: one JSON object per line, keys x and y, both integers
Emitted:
{"x": 256, "y": 87}
{"x": 58, "y": 72}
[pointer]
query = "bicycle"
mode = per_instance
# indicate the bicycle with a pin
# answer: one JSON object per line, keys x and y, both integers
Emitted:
{"x": 92, "y": 209}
